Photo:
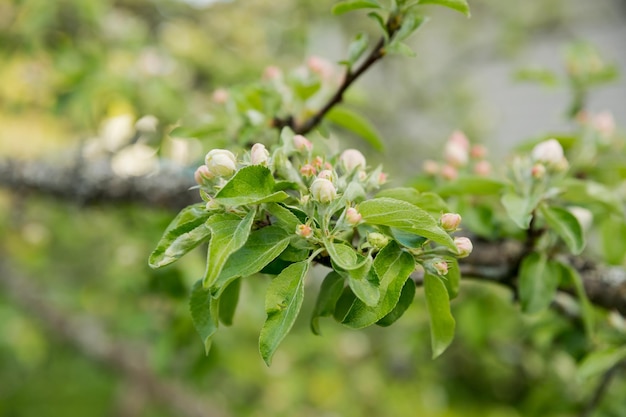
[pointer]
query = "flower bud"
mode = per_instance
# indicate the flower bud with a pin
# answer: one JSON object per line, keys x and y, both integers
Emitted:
{"x": 301, "y": 143}
{"x": 463, "y": 246}
{"x": 449, "y": 172}
{"x": 320, "y": 66}
{"x": 304, "y": 230}
{"x": 272, "y": 72}
{"x": 308, "y": 170}
{"x": 478, "y": 152}
{"x": 549, "y": 152}
{"x": 482, "y": 168}
{"x": 377, "y": 240}
{"x": 220, "y": 96}
{"x": 259, "y": 155}
{"x": 604, "y": 123}
{"x": 326, "y": 174}
{"x": 450, "y": 221}
{"x": 382, "y": 178}
{"x": 362, "y": 175}
{"x": 317, "y": 162}
{"x": 440, "y": 266}
{"x": 538, "y": 171}
{"x": 430, "y": 167}
{"x": 323, "y": 190}
{"x": 458, "y": 138}
{"x": 221, "y": 163}
{"x": 351, "y": 159}
{"x": 455, "y": 154}
{"x": 203, "y": 175}
{"x": 353, "y": 216}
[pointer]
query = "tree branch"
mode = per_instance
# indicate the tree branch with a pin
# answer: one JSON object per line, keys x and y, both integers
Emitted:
{"x": 92, "y": 341}
{"x": 600, "y": 390}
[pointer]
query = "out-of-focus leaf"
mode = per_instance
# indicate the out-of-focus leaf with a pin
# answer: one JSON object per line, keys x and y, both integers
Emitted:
{"x": 349, "y": 5}
{"x": 357, "y": 124}
{"x": 601, "y": 361}
{"x": 538, "y": 281}
{"x": 458, "y": 5}
{"x": 566, "y": 226}
{"x": 330, "y": 291}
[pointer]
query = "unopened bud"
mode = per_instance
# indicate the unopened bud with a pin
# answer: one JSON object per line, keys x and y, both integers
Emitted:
{"x": 304, "y": 230}
{"x": 450, "y": 221}
{"x": 478, "y": 152}
{"x": 353, "y": 216}
{"x": 259, "y": 154}
{"x": 440, "y": 266}
{"x": 326, "y": 174}
{"x": 449, "y": 172}
{"x": 272, "y": 73}
{"x": 463, "y": 246}
{"x": 482, "y": 168}
{"x": 549, "y": 152}
{"x": 220, "y": 96}
{"x": 308, "y": 170}
{"x": 351, "y": 159}
{"x": 320, "y": 66}
{"x": 455, "y": 154}
{"x": 538, "y": 171}
{"x": 458, "y": 138}
{"x": 362, "y": 175}
{"x": 430, "y": 167}
{"x": 377, "y": 240}
{"x": 604, "y": 123}
{"x": 382, "y": 178}
{"x": 301, "y": 143}
{"x": 317, "y": 162}
{"x": 221, "y": 163}
{"x": 203, "y": 175}
{"x": 323, "y": 190}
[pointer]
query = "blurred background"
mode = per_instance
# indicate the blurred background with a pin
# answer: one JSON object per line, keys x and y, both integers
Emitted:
{"x": 87, "y": 329}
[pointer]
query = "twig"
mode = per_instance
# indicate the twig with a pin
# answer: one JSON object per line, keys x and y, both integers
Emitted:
{"x": 600, "y": 390}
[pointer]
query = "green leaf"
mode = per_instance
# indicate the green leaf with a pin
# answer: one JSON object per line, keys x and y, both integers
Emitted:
{"x": 408, "y": 194}
{"x": 184, "y": 233}
{"x": 230, "y": 233}
{"x": 441, "y": 321}
{"x": 458, "y": 5}
{"x": 204, "y": 313}
{"x": 228, "y": 302}
{"x": 349, "y": 5}
{"x": 261, "y": 248}
{"x": 407, "y": 239}
{"x": 284, "y": 217}
{"x": 357, "y": 124}
{"x": 518, "y": 209}
{"x": 601, "y": 361}
{"x": 452, "y": 280}
{"x": 570, "y": 274}
{"x": 357, "y": 47}
{"x": 566, "y": 226}
{"x": 400, "y": 48}
{"x": 538, "y": 281}
{"x": 253, "y": 184}
{"x": 543, "y": 76}
{"x": 344, "y": 256}
{"x": 406, "y": 299}
{"x": 381, "y": 23}
{"x": 200, "y": 132}
{"x": 589, "y": 192}
{"x": 283, "y": 301}
{"x": 330, "y": 291}
{"x": 364, "y": 282}
{"x": 404, "y": 216}
{"x": 410, "y": 23}
{"x": 393, "y": 267}
{"x": 471, "y": 185}
{"x": 613, "y": 230}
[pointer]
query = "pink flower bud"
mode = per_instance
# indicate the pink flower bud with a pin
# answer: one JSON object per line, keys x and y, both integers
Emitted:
{"x": 304, "y": 230}
{"x": 353, "y": 216}
{"x": 320, "y": 66}
{"x": 323, "y": 190}
{"x": 377, "y": 240}
{"x": 449, "y": 172}
{"x": 308, "y": 170}
{"x": 301, "y": 143}
{"x": 430, "y": 167}
{"x": 482, "y": 168}
{"x": 455, "y": 154}
{"x": 382, "y": 178}
{"x": 458, "y": 138}
{"x": 318, "y": 162}
{"x": 440, "y": 266}
{"x": 351, "y": 159}
{"x": 326, "y": 174}
{"x": 272, "y": 73}
{"x": 463, "y": 246}
{"x": 604, "y": 123}
{"x": 203, "y": 175}
{"x": 259, "y": 155}
{"x": 538, "y": 171}
{"x": 450, "y": 221}
{"x": 220, "y": 96}
{"x": 478, "y": 152}
{"x": 221, "y": 163}
{"x": 549, "y": 152}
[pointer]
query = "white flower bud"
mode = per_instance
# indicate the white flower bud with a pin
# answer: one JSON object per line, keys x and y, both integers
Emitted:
{"x": 259, "y": 155}
{"x": 221, "y": 163}
{"x": 464, "y": 246}
{"x": 323, "y": 190}
{"x": 326, "y": 174}
{"x": 450, "y": 221}
{"x": 352, "y": 158}
{"x": 202, "y": 175}
{"x": 549, "y": 152}
{"x": 455, "y": 154}
{"x": 301, "y": 143}
{"x": 353, "y": 216}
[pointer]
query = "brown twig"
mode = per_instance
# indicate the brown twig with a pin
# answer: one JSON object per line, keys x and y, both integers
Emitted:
{"x": 600, "y": 390}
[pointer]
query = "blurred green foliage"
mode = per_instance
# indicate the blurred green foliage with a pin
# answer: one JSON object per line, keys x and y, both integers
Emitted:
{"x": 65, "y": 67}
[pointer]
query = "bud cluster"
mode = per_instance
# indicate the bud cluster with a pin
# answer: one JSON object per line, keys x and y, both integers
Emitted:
{"x": 459, "y": 156}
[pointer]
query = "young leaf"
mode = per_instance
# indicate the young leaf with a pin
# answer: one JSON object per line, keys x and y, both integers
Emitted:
{"x": 349, "y": 5}
{"x": 400, "y": 48}
{"x": 283, "y": 301}
{"x": 406, "y": 299}
{"x": 261, "y": 248}
{"x": 228, "y": 302}
{"x": 230, "y": 232}
{"x": 472, "y": 185}
{"x": 184, "y": 233}
{"x": 404, "y": 216}
{"x": 330, "y": 291}
{"x": 357, "y": 47}
{"x": 587, "y": 191}
{"x": 441, "y": 321}
{"x": 566, "y": 226}
{"x": 253, "y": 184}
{"x": 518, "y": 209}
{"x": 393, "y": 267}
{"x": 357, "y": 124}
{"x": 538, "y": 281}
{"x": 410, "y": 24}
{"x": 458, "y": 5}
{"x": 204, "y": 313}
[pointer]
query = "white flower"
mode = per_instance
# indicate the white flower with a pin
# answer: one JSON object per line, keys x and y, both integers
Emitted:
{"x": 549, "y": 152}
{"x": 323, "y": 190}
{"x": 221, "y": 163}
{"x": 259, "y": 155}
{"x": 352, "y": 158}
